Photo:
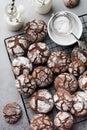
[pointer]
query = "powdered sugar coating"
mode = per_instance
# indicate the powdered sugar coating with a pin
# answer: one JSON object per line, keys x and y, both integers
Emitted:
{"x": 38, "y": 53}
{"x": 83, "y": 81}
{"x": 66, "y": 81}
{"x": 17, "y": 46}
{"x": 58, "y": 62}
{"x": 76, "y": 67}
{"x": 63, "y": 121}
{"x": 12, "y": 112}
{"x": 21, "y": 65}
{"x": 63, "y": 99}
{"x": 41, "y": 122}
{"x": 35, "y": 30}
{"x": 41, "y": 101}
{"x": 71, "y": 3}
{"x": 25, "y": 84}
{"x": 79, "y": 107}
{"x": 43, "y": 76}
{"x": 79, "y": 54}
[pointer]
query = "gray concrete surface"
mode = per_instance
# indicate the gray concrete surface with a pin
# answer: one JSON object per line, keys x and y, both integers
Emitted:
{"x": 8, "y": 92}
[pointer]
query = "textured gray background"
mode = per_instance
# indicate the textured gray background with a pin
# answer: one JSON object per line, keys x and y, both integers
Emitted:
{"x": 8, "y": 92}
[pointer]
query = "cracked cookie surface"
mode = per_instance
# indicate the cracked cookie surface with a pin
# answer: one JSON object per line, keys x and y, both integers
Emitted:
{"x": 17, "y": 46}
{"x": 63, "y": 121}
{"x": 41, "y": 101}
{"x": 25, "y": 84}
{"x": 35, "y": 30}
{"x": 66, "y": 81}
{"x": 38, "y": 53}
{"x": 79, "y": 107}
{"x": 43, "y": 76}
{"x": 41, "y": 122}
{"x": 21, "y": 65}
{"x": 58, "y": 62}
{"x": 12, "y": 112}
{"x": 76, "y": 67}
{"x": 63, "y": 99}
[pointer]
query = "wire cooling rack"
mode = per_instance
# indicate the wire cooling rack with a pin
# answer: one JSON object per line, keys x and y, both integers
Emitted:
{"x": 54, "y": 47}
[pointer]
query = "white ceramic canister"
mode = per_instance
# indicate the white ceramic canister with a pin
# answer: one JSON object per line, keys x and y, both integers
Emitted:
{"x": 43, "y": 6}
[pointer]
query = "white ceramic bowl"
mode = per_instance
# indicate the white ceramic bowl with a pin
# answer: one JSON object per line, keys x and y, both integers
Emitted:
{"x": 65, "y": 38}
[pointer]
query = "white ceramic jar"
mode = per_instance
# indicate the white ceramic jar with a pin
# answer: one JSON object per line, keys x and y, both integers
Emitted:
{"x": 43, "y": 6}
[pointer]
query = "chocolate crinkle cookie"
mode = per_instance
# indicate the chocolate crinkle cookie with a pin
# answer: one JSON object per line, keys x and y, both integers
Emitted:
{"x": 25, "y": 84}
{"x": 66, "y": 81}
{"x": 43, "y": 76}
{"x": 79, "y": 54}
{"x": 12, "y": 112}
{"x": 41, "y": 122}
{"x": 63, "y": 100}
{"x": 58, "y": 62}
{"x": 35, "y": 30}
{"x": 17, "y": 46}
{"x": 63, "y": 121}
{"x": 76, "y": 67}
{"x": 41, "y": 101}
{"x": 79, "y": 107}
{"x": 71, "y": 3}
{"x": 21, "y": 65}
{"x": 83, "y": 81}
{"x": 38, "y": 53}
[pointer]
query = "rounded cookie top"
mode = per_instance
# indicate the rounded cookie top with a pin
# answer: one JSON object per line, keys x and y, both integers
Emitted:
{"x": 35, "y": 30}
{"x": 58, "y": 62}
{"x": 71, "y": 3}
{"x": 66, "y": 81}
{"x": 38, "y": 53}
{"x": 41, "y": 122}
{"x": 63, "y": 121}
{"x": 21, "y": 65}
{"x": 43, "y": 76}
{"x": 17, "y": 46}
{"x": 76, "y": 67}
{"x": 83, "y": 81}
{"x": 79, "y": 107}
{"x": 79, "y": 54}
{"x": 25, "y": 84}
{"x": 63, "y": 99}
{"x": 41, "y": 101}
{"x": 12, "y": 112}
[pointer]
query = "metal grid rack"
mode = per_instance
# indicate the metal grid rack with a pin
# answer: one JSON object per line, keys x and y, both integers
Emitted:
{"x": 54, "y": 47}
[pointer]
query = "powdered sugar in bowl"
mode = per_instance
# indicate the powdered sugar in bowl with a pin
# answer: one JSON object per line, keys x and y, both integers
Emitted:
{"x": 61, "y": 26}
